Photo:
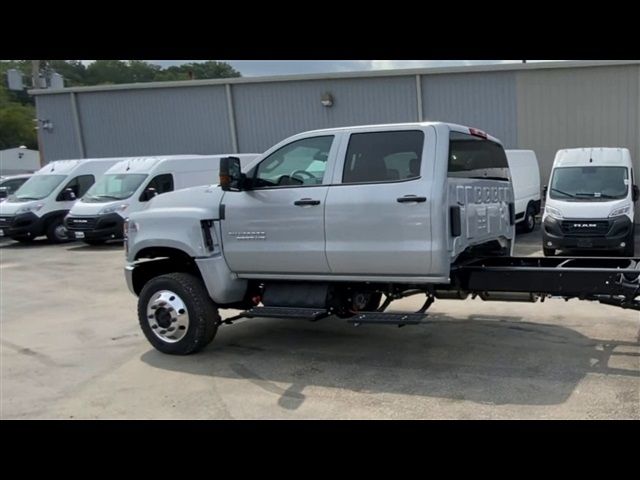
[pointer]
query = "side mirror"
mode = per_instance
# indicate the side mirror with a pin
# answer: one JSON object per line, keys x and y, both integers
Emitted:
{"x": 68, "y": 195}
{"x": 231, "y": 177}
{"x": 544, "y": 190}
{"x": 3, "y": 192}
{"x": 148, "y": 194}
{"x": 636, "y": 193}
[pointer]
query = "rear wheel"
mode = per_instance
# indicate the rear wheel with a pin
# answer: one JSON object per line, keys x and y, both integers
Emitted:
{"x": 529, "y": 222}
{"x": 57, "y": 232}
{"x": 176, "y": 314}
{"x": 548, "y": 252}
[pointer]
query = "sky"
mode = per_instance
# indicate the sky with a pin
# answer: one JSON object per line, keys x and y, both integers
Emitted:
{"x": 249, "y": 68}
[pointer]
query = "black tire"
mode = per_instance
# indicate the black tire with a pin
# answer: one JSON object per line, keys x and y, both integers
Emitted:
{"x": 548, "y": 252}
{"x": 529, "y": 222}
{"x": 56, "y": 234}
{"x": 203, "y": 313}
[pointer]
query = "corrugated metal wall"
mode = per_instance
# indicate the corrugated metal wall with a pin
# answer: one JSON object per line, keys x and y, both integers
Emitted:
{"x": 61, "y": 142}
{"x": 266, "y": 113}
{"x": 154, "y": 121}
{"x": 582, "y": 107}
{"x": 484, "y": 100}
{"x": 540, "y": 109}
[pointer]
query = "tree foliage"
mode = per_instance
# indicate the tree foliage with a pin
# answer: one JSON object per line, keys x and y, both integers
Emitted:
{"x": 17, "y": 111}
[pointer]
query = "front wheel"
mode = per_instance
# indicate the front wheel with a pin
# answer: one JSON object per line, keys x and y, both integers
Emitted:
{"x": 58, "y": 233}
{"x": 176, "y": 314}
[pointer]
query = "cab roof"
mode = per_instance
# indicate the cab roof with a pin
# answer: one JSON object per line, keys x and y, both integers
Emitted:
{"x": 593, "y": 156}
{"x": 452, "y": 126}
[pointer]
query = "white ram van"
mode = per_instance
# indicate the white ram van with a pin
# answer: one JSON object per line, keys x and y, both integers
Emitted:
{"x": 128, "y": 186}
{"x": 525, "y": 176}
{"x": 590, "y": 201}
{"x": 38, "y": 207}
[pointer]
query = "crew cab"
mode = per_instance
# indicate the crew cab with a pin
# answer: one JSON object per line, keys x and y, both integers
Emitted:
{"x": 325, "y": 222}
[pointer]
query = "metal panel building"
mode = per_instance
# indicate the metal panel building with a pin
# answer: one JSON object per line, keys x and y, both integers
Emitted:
{"x": 539, "y": 106}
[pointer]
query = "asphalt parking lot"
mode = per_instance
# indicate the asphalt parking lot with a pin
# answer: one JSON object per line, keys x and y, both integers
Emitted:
{"x": 71, "y": 348}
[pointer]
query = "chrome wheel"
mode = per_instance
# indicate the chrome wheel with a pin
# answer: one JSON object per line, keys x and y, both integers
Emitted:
{"x": 167, "y": 316}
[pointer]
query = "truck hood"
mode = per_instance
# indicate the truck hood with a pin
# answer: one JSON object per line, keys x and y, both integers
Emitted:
{"x": 81, "y": 208}
{"x": 203, "y": 197}
{"x": 587, "y": 209}
{"x": 10, "y": 208}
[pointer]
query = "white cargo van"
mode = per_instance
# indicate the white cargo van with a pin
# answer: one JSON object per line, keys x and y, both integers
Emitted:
{"x": 128, "y": 186}
{"x": 590, "y": 201}
{"x": 38, "y": 207}
{"x": 525, "y": 176}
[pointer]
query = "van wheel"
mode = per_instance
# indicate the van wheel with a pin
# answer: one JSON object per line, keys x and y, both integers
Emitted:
{"x": 548, "y": 252}
{"x": 529, "y": 222}
{"x": 57, "y": 232}
{"x": 176, "y": 314}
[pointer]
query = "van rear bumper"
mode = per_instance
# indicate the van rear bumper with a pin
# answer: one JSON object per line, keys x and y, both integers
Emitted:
{"x": 587, "y": 234}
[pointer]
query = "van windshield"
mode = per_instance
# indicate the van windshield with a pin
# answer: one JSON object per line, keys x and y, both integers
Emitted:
{"x": 38, "y": 187}
{"x": 114, "y": 186}
{"x": 590, "y": 184}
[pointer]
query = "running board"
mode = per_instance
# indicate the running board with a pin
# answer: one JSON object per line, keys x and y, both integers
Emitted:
{"x": 311, "y": 314}
{"x": 388, "y": 318}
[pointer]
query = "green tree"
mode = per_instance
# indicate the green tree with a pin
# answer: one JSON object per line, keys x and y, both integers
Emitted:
{"x": 204, "y": 70}
{"x": 16, "y": 123}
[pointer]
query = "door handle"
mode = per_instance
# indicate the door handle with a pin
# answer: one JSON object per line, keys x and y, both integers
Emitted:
{"x": 411, "y": 199}
{"x": 306, "y": 201}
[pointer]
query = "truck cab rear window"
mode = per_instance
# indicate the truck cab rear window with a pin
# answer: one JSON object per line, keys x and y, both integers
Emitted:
{"x": 383, "y": 156}
{"x": 475, "y": 157}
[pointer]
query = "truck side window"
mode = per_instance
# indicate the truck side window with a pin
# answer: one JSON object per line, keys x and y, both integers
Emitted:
{"x": 162, "y": 183}
{"x": 79, "y": 185}
{"x": 383, "y": 156}
{"x": 476, "y": 157}
{"x": 302, "y": 162}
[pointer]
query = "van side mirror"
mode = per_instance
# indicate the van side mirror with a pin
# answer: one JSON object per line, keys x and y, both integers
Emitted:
{"x": 68, "y": 195}
{"x": 148, "y": 194}
{"x": 231, "y": 177}
{"x": 544, "y": 190}
{"x": 3, "y": 192}
{"x": 636, "y": 193}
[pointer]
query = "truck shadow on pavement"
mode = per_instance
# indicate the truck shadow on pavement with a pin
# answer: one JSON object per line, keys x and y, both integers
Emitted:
{"x": 485, "y": 359}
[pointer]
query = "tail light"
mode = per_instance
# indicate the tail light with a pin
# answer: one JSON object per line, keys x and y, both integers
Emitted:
{"x": 477, "y": 133}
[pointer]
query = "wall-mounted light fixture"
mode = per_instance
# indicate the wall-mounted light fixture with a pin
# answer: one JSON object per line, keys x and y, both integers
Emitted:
{"x": 46, "y": 124}
{"x": 327, "y": 99}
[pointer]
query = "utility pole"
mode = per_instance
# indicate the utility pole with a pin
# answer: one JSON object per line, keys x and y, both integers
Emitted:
{"x": 35, "y": 73}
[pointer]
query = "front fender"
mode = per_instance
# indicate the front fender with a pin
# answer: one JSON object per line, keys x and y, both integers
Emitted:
{"x": 178, "y": 228}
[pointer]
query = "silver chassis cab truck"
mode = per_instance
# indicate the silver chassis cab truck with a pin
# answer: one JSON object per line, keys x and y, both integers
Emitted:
{"x": 341, "y": 222}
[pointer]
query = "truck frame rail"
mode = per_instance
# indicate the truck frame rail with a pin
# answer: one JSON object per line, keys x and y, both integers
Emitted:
{"x": 614, "y": 281}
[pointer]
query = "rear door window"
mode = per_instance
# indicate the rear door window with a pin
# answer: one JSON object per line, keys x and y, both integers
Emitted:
{"x": 383, "y": 156}
{"x": 476, "y": 157}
